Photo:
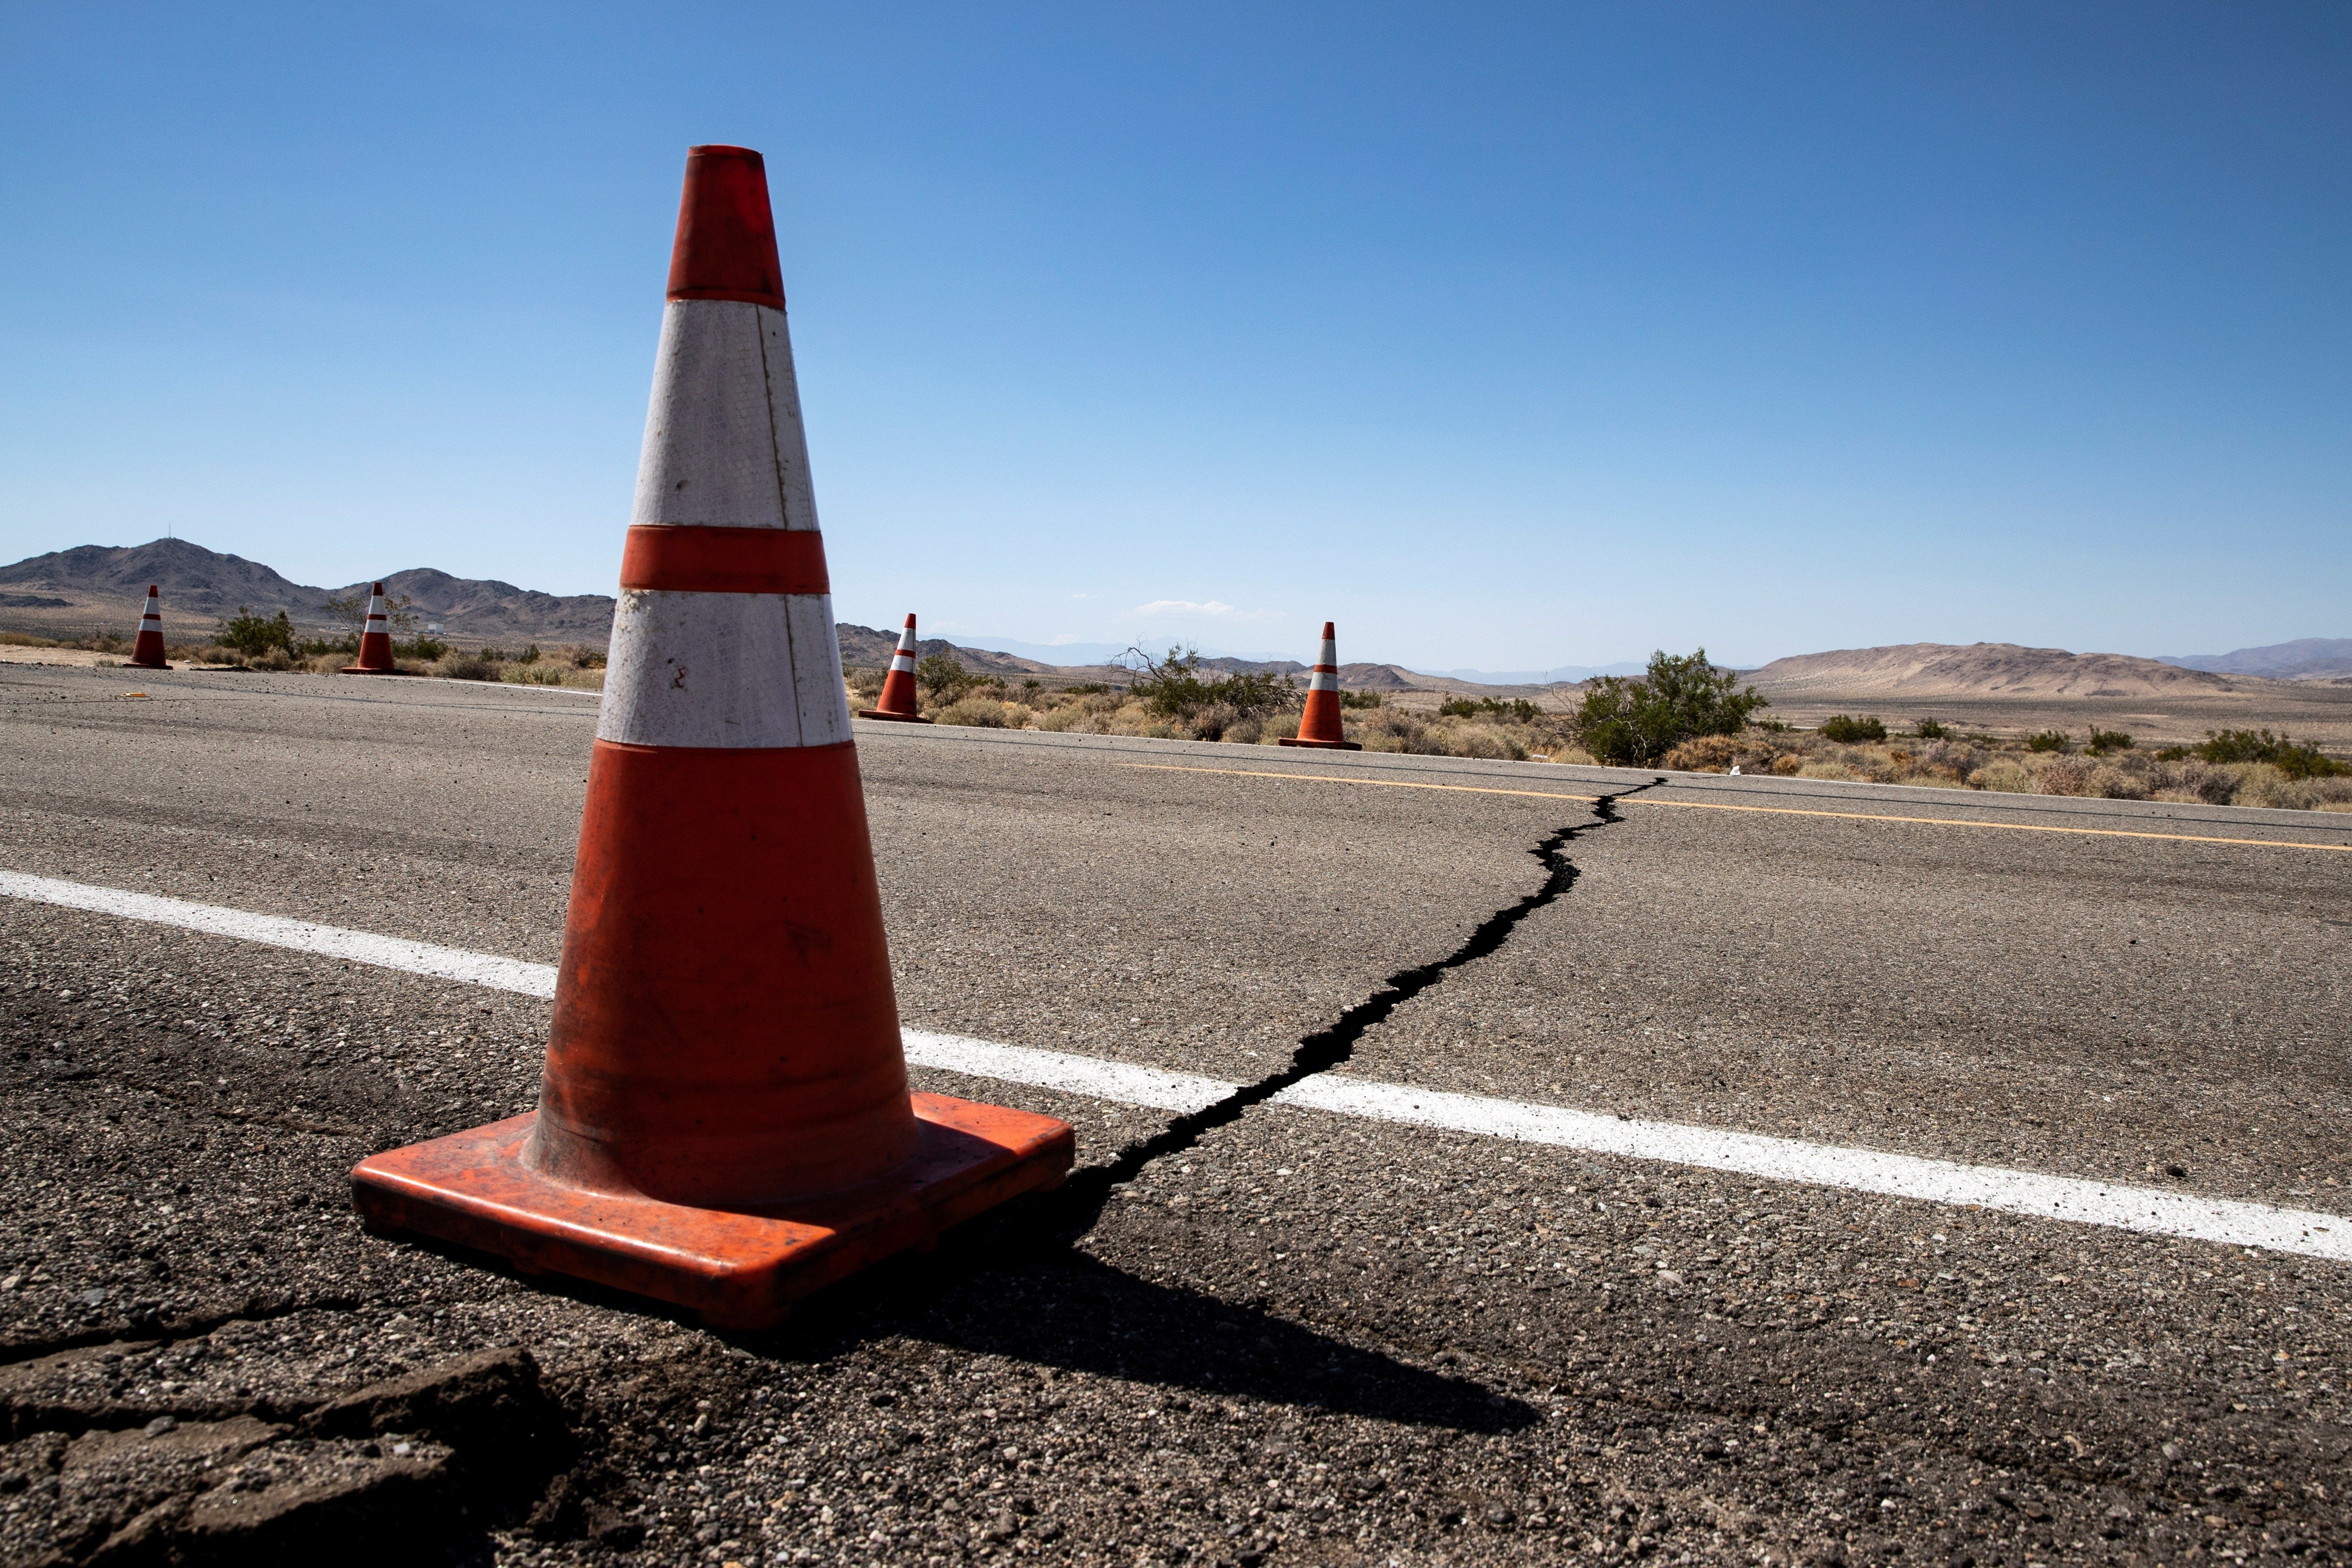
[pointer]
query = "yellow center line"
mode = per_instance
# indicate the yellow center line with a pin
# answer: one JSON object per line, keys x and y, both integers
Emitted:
{"x": 1766, "y": 810}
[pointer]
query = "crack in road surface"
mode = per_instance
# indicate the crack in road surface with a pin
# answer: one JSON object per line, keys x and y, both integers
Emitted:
{"x": 1083, "y": 1197}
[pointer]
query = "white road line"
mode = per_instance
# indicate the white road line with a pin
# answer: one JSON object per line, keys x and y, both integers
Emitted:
{"x": 334, "y": 942}
{"x": 2148, "y": 1211}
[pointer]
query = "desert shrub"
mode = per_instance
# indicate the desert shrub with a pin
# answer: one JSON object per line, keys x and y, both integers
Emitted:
{"x": 2068, "y": 775}
{"x": 943, "y": 680}
{"x": 1085, "y": 689}
{"x": 2106, "y": 741}
{"x": 1518, "y": 710}
{"x": 1788, "y": 765}
{"x": 979, "y": 712}
{"x": 273, "y": 659}
{"x": 537, "y": 675}
{"x": 254, "y": 636}
{"x": 2295, "y": 760}
{"x": 1361, "y": 700}
{"x": 1395, "y": 729}
{"x": 1928, "y": 729}
{"x": 2201, "y": 781}
{"x": 1068, "y": 716}
{"x": 468, "y": 666}
{"x": 425, "y": 648}
{"x": 2172, "y": 754}
{"x": 1957, "y": 756}
{"x": 1209, "y": 722}
{"x": 588, "y": 658}
{"x": 866, "y": 683}
{"x": 1847, "y": 730}
{"x": 2046, "y": 741}
{"x": 1173, "y": 688}
{"x": 1675, "y": 700}
{"x": 2003, "y": 775}
{"x": 1484, "y": 741}
{"x": 1826, "y": 768}
{"x": 1707, "y": 755}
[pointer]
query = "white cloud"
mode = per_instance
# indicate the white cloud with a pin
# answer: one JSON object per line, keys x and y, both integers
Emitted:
{"x": 1214, "y": 610}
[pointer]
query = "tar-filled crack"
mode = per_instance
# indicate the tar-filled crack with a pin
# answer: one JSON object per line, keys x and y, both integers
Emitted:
{"x": 1079, "y": 1203}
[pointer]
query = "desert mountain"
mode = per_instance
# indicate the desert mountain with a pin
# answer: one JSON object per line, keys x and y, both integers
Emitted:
{"x": 1980, "y": 669}
{"x": 2304, "y": 658}
{"x": 96, "y": 586}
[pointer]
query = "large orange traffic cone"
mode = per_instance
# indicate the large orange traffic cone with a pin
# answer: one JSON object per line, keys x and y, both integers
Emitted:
{"x": 897, "y": 698}
{"x": 375, "y": 640}
{"x": 725, "y": 1122}
{"x": 147, "y": 649}
{"x": 1320, "y": 725}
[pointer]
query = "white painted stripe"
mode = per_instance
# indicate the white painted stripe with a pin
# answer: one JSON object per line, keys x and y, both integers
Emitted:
{"x": 724, "y": 445}
{"x": 1322, "y": 681}
{"x": 1090, "y": 1075}
{"x": 2146, "y": 1210}
{"x": 902, "y": 664}
{"x": 359, "y": 946}
{"x": 723, "y": 670}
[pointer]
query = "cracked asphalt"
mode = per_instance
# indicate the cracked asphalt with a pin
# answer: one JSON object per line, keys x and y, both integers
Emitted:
{"x": 1256, "y": 1334}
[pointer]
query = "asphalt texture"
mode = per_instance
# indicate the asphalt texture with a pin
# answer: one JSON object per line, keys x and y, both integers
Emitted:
{"x": 1252, "y": 1335}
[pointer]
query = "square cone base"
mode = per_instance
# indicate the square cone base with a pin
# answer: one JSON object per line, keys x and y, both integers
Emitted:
{"x": 901, "y": 718}
{"x": 1321, "y": 745}
{"x": 740, "y": 1269}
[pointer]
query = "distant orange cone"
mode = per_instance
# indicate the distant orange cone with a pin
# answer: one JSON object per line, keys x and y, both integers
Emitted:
{"x": 725, "y": 1121}
{"x": 375, "y": 640}
{"x": 1320, "y": 725}
{"x": 897, "y": 698}
{"x": 147, "y": 650}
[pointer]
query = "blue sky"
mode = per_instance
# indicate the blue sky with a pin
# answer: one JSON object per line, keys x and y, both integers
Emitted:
{"x": 1509, "y": 337}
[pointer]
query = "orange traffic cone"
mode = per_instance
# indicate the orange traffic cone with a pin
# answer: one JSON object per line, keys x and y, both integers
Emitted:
{"x": 725, "y": 1122}
{"x": 897, "y": 698}
{"x": 147, "y": 649}
{"x": 375, "y": 640}
{"x": 1320, "y": 725}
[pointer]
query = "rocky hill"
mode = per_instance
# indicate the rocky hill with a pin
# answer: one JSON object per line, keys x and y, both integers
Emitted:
{"x": 2306, "y": 659}
{"x": 97, "y": 586}
{"x": 1980, "y": 669}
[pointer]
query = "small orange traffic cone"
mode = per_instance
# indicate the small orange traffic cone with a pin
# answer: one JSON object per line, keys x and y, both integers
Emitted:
{"x": 897, "y": 698}
{"x": 147, "y": 649}
{"x": 1320, "y": 725}
{"x": 375, "y": 640}
{"x": 725, "y": 1122}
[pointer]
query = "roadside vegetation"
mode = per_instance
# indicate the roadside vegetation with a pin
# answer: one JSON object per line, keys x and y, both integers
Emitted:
{"x": 2229, "y": 767}
{"x": 1682, "y": 713}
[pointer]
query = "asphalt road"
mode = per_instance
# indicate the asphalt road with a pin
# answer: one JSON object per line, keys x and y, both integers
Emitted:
{"x": 1261, "y": 1334}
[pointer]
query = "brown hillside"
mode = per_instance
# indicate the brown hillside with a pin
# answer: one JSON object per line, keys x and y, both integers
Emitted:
{"x": 1980, "y": 669}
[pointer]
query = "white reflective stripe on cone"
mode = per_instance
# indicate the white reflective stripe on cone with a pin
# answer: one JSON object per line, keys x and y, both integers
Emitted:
{"x": 151, "y": 615}
{"x": 1330, "y": 654}
{"x": 903, "y": 663}
{"x": 907, "y": 642}
{"x": 1323, "y": 680}
{"x": 723, "y": 670}
{"x": 723, "y": 442}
